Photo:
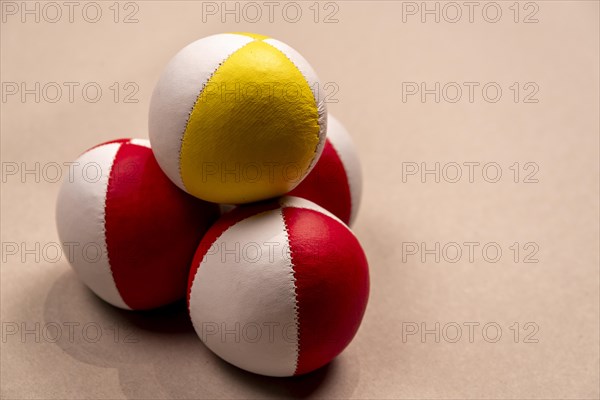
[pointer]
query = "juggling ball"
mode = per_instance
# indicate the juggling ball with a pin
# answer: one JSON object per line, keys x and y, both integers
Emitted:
{"x": 335, "y": 182}
{"x": 129, "y": 231}
{"x": 278, "y": 288}
{"x": 237, "y": 118}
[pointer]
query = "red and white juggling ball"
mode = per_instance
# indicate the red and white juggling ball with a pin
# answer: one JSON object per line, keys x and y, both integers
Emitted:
{"x": 335, "y": 182}
{"x": 278, "y": 288}
{"x": 130, "y": 232}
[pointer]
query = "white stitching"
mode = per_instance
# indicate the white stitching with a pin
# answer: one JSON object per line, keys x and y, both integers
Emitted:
{"x": 321, "y": 114}
{"x": 296, "y": 306}
{"x": 194, "y": 106}
{"x": 217, "y": 238}
{"x": 104, "y": 224}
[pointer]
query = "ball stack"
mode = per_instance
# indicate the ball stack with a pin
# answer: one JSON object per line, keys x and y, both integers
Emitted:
{"x": 277, "y": 286}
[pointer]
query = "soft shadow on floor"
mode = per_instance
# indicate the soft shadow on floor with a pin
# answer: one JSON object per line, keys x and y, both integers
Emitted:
{"x": 158, "y": 354}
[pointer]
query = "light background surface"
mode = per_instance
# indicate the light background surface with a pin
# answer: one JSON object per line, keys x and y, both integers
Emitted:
{"x": 366, "y": 55}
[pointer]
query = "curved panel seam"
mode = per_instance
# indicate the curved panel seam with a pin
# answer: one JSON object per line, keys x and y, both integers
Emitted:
{"x": 320, "y": 109}
{"x": 216, "y": 239}
{"x": 194, "y": 106}
{"x": 296, "y": 305}
{"x": 104, "y": 234}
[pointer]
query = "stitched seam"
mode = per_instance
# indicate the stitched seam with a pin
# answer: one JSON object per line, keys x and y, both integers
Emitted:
{"x": 196, "y": 102}
{"x": 104, "y": 224}
{"x": 216, "y": 239}
{"x": 296, "y": 306}
{"x": 321, "y": 115}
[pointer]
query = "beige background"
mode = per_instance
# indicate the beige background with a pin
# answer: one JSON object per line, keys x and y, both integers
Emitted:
{"x": 367, "y": 55}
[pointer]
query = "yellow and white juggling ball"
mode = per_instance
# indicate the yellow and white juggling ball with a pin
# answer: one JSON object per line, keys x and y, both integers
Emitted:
{"x": 237, "y": 118}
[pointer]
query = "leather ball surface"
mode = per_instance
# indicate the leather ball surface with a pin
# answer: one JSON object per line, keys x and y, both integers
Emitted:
{"x": 237, "y": 118}
{"x": 335, "y": 182}
{"x": 278, "y": 288}
{"x": 130, "y": 233}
